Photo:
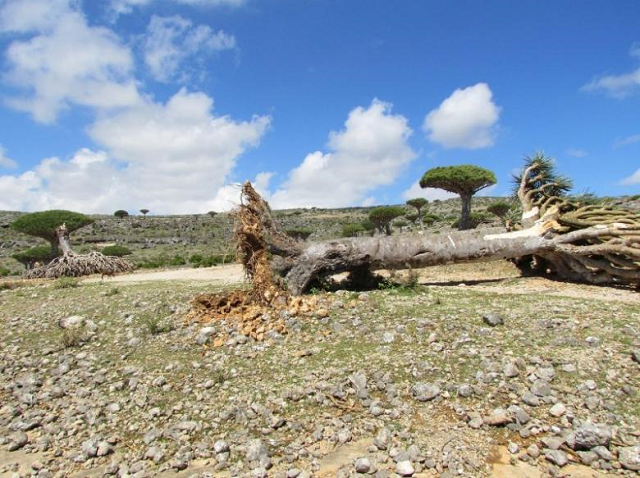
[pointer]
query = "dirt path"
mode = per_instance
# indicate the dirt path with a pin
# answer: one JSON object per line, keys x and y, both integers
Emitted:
{"x": 228, "y": 274}
{"x": 495, "y": 277}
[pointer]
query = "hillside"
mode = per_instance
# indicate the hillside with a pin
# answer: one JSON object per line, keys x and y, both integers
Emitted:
{"x": 172, "y": 240}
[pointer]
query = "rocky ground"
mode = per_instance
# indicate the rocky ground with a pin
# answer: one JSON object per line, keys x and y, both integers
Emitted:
{"x": 476, "y": 373}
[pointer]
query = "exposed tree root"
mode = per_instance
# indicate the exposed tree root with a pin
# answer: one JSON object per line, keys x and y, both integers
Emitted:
{"x": 76, "y": 265}
{"x": 261, "y": 309}
{"x": 70, "y": 264}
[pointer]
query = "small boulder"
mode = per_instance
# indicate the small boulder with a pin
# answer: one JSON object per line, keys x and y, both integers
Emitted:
{"x": 493, "y": 319}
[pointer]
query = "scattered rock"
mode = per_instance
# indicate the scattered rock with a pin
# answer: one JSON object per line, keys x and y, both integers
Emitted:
{"x": 492, "y": 319}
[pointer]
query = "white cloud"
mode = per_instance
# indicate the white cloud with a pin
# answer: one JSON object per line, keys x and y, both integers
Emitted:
{"x": 6, "y": 162}
{"x": 618, "y": 86}
{"x": 172, "y": 40}
{"x": 631, "y": 180}
{"x": 577, "y": 153}
{"x": 415, "y": 191}
{"x": 170, "y": 158}
{"x": 64, "y": 61}
{"x": 121, "y": 7}
{"x": 370, "y": 152}
{"x": 466, "y": 119}
{"x": 621, "y": 142}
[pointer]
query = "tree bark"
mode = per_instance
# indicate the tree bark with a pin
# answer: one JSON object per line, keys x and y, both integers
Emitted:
{"x": 64, "y": 243}
{"x": 465, "y": 215}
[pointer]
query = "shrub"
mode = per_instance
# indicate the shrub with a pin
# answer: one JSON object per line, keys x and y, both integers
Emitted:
{"x": 4, "y": 272}
{"x": 71, "y": 338}
{"x": 475, "y": 219}
{"x": 299, "y": 233}
{"x": 116, "y": 251}
{"x": 499, "y": 208}
{"x": 66, "y": 283}
{"x": 352, "y": 230}
{"x": 28, "y": 258}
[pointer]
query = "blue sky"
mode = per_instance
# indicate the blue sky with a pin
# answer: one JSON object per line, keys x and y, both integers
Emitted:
{"x": 166, "y": 104}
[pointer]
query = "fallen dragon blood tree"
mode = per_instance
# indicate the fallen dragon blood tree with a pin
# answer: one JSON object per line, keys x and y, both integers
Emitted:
{"x": 72, "y": 264}
{"x": 556, "y": 236}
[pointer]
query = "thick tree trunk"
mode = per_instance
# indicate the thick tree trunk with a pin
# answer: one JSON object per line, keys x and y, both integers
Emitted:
{"x": 465, "y": 215}
{"x": 63, "y": 240}
{"x": 401, "y": 252}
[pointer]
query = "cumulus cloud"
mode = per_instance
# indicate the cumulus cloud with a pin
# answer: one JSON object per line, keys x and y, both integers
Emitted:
{"x": 371, "y": 151}
{"x": 466, "y": 119}
{"x": 6, "y": 162}
{"x": 172, "y": 40}
{"x": 63, "y": 61}
{"x": 170, "y": 158}
{"x": 618, "y": 86}
{"x": 632, "y": 180}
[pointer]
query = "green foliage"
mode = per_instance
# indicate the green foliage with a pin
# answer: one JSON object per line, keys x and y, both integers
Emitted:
{"x": 144, "y": 211}
{"x": 475, "y": 219}
{"x": 635, "y": 197}
{"x": 368, "y": 225}
{"x": 155, "y": 325}
{"x": 400, "y": 223}
{"x": 116, "y": 251}
{"x": 211, "y": 260}
{"x": 418, "y": 203}
{"x": 28, "y": 258}
{"x": 212, "y": 213}
{"x": 465, "y": 179}
{"x": 352, "y": 229}
{"x": 412, "y": 217}
{"x": 544, "y": 180}
{"x": 66, "y": 283}
{"x": 121, "y": 213}
{"x": 299, "y": 233}
{"x": 500, "y": 208}
{"x": 383, "y": 215}
{"x": 43, "y": 224}
{"x": 429, "y": 218}
{"x": 4, "y": 272}
{"x": 111, "y": 292}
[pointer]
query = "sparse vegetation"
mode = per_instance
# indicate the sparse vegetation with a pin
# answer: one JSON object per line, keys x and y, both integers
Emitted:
{"x": 66, "y": 283}
{"x": 116, "y": 251}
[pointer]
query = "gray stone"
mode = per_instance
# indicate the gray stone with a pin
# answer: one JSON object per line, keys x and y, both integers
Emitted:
{"x": 591, "y": 435}
{"x": 17, "y": 440}
{"x": 424, "y": 392}
{"x": 405, "y": 468}
{"x": 530, "y": 399}
{"x": 541, "y": 388}
{"x": 492, "y": 319}
{"x": 629, "y": 457}
{"x": 558, "y": 410}
{"x": 363, "y": 465}
{"x": 635, "y": 355}
{"x": 557, "y": 457}
{"x": 465, "y": 390}
{"x": 587, "y": 457}
{"x": 72, "y": 322}
{"x": 256, "y": 450}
